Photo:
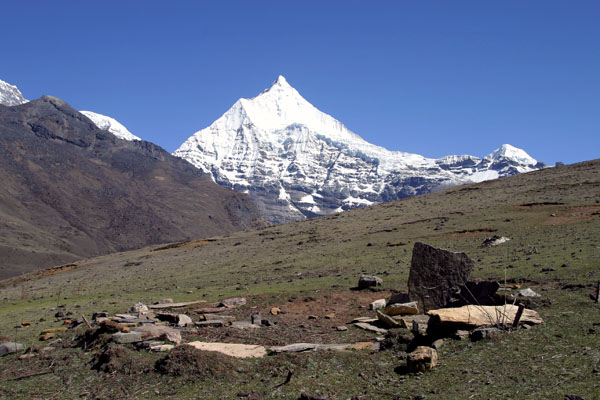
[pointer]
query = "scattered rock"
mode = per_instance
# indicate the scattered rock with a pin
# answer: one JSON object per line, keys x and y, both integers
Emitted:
{"x": 244, "y": 325}
{"x": 363, "y": 319}
{"x": 183, "y": 320}
{"x": 366, "y": 281}
{"x": 174, "y": 305}
{"x": 437, "y": 344}
{"x": 407, "y": 321}
{"x": 310, "y": 396}
{"x": 422, "y": 359}
{"x": 161, "y": 332}
{"x": 25, "y": 323}
{"x": 398, "y": 297}
{"x": 494, "y": 241}
{"x": 436, "y": 275}
{"x": 397, "y": 340}
{"x": 528, "y": 293}
{"x": 461, "y": 335}
{"x": 167, "y": 300}
{"x": 256, "y": 319}
{"x": 127, "y": 337}
{"x": 275, "y": 310}
{"x": 97, "y": 315}
{"x": 418, "y": 328}
{"x": 227, "y": 319}
{"x": 377, "y": 304}
{"x": 232, "y": 349}
{"x": 161, "y": 348}
{"x": 233, "y": 302}
{"x": 480, "y": 316}
{"x": 548, "y": 269}
{"x": 313, "y": 317}
{"x": 210, "y": 324}
{"x": 47, "y": 336}
{"x": 266, "y": 322}
{"x": 341, "y": 328}
{"x": 294, "y": 348}
{"x": 402, "y": 309}
{"x": 210, "y": 310}
{"x": 369, "y": 327}
{"x": 573, "y": 397}
{"x": 10, "y": 347}
{"x": 139, "y": 308}
{"x": 484, "y": 333}
{"x": 387, "y": 320}
{"x": 330, "y": 316}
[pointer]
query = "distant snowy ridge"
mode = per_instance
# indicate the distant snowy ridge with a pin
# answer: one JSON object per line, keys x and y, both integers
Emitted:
{"x": 11, "y": 96}
{"x": 110, "y": 124}
{"x": 296, "y": 161}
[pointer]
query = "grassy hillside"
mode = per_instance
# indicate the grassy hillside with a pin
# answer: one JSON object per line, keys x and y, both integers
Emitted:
{"x": 551, "y": 216}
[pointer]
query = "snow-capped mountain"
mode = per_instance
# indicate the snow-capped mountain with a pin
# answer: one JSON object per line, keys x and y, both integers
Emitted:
{"x": 296, "y": 161}
{"x": 11, "y": 96}
{"x": 110, "y": 124}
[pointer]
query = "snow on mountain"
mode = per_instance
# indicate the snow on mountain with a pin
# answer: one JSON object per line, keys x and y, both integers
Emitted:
{"x": 296, "y": 161}
{"x": 110, "y": 124}
{"x": 10, "y": 95}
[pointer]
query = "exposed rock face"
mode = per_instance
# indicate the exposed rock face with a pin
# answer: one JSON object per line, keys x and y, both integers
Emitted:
{"x": 72, "y": 191}
{"x": 436, "y": 275}
{"x": 10, "y": 95}
{"x": 296, "y": 161}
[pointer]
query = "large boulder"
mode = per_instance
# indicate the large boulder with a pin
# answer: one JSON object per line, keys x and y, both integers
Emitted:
{"x": 436, "y": 275}
{"x": 367, "y": 281}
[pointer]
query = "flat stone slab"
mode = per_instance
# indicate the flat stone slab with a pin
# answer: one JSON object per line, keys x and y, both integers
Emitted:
{"x": 301, "y": 347}
{"x": 369, "y": 327}
{"x": 232, "y": 349}
{"x": 210, "y": 324}
{"x": 244, "y": 325}
{"x": 481, "y": 316}
{"x": 363, "y": 319}
{"x": 407, "y": 321}
{"x": 10, "y": 347}
{"x": 175, "y": 305}
{"x": 127, "y": 337}
{"x": 387, "y": 320}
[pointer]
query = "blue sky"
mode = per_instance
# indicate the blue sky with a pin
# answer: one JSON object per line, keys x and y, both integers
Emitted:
{"x": 428, "y": 77}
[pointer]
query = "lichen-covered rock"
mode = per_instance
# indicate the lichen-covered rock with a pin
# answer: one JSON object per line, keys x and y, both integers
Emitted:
{"x": 422, "y": 359}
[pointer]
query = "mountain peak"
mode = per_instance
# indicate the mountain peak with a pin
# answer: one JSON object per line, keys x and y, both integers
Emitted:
{"x": 10, "y": 95}
{"x": 281, "y": 82}
{"x": 513, "y": 153}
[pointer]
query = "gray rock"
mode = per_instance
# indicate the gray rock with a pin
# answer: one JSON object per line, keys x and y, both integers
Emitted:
{"x": 233, "y": 302}
{"x": 226, "y": 319}
{"x": 528, "y": 293}
{"x": 183, "y": 320}
{"x": 437, "y": 344}
{"x": 479, "y": 293}
{"x": 127, "y": 337}
{"x": 484, "y": 333}
{"x": 10, "y": 347}
{"x": 436, "y": 275}
{"x": 398, "y": 298}
{"x": 100, "y": 314}
{"x": 244, "y": 325}
{"x": 366, "y": 281}
{"x": 256, "y": 319}
{"x": 210, "y": 324}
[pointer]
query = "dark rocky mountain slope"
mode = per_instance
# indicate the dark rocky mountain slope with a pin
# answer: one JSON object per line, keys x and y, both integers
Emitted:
{"x": 70, "y": 190}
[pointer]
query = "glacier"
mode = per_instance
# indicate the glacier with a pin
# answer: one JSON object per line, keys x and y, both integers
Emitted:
{"x": 297, "y": 162}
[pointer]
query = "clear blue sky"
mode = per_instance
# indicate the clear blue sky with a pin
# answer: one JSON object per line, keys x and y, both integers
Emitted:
{"x": 428, "y": 77}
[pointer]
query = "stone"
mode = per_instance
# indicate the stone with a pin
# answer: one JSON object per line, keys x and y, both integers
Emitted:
{"x": 25, "y": 323}
{"x": 174, "y": 305}
{"x": 232, "y": 349}
{"x": 167, "y": 300}
{"x": 161, "y": 348}
{"x": 398, "y": 297}
{"x": 369, "y": 327}
{"x": 436, "y": 275}
{"x": 139, "y": 308}
{"x": 226, "y": 319}
{"x": 387, "y": 320}
{"x": 437, "y": 344}
{"x": 183, "y": 320}
{"x": 418, "y": 328}
{"x": 407, "y": 321}
{"x": 244, "y": 325}
{"x": 53, "y": 330}
{"x": 47, "y": 336}
{"x": 210, "y": 310}
{"x": 377, "y": 304}
{"x": 313, "y": 317}
{"x": 461, "y": 335}
{"x": 528, "y": 293}
{"x": 10, "y": 347}
{"x": 494, "y": 241}
{"x": 210, "y": 324}
{"x": 469, "y": 317}
{"x": 127, "y": 337}
{"x": 159, "y": 332}
{"x": 233, "y": 302}
{"x": 111, "y": 326}
{"x": 422, "y": 359}
{"x": 484, "y": 333}
{"x": 97, "y": 315}
{"x": 363, "y": 319}
{"x": 411, "y": 308}
{"x": 256, "y": 319}
{"x": 312, "y": 396}
{"x": 275, "y": 310}
{"x": 266, "y": 322}
{"x": 294, "y": 348}
{"x": 341, "y": 328}
{"x": 330, "y": 316}
{"x": 361, "y": 346}
{"x": 367, "y": 281}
